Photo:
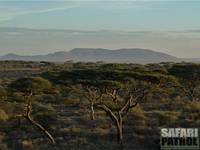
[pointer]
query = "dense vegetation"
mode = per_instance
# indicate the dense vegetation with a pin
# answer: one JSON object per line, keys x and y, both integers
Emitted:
{"x": 95, "y": 106}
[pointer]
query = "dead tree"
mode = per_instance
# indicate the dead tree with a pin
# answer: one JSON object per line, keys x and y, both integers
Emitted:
{"x": 93, "y": 95}
{"x": 27, "y": 115}
{"x": 190, "y": 89}
{"x": 117, "y": 115}
{"x": 30, "y": 87}
{"x": 113, "y": 93}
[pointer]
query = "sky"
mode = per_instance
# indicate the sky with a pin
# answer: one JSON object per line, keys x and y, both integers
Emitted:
{"x": 39, "y": 27}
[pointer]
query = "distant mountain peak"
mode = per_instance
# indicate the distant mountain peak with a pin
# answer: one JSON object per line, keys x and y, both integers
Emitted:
{"x": 11, "y": 54}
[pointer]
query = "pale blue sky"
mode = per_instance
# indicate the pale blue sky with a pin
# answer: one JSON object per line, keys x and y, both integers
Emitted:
{"x": 98, "y": 15}
{"x": 174, "y": 24}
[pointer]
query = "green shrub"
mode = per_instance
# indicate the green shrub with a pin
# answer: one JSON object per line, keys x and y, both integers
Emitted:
{"x": 191, "y": 112}
{"x": 3, "y": 115}
{"x": 192, "y": 107}
{"x": 167, "y": 117}
{"x": 68, "y": 101}
{"x": 3, "y": 145}
{"x": 136, "y": 118}
{"x": 3, "y": 93}
{"x": 138, "y": 113}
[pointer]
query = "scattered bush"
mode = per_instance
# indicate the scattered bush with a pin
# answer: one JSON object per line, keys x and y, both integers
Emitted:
{"x": 167, "y": 117}
{"x": 3, "y": 115}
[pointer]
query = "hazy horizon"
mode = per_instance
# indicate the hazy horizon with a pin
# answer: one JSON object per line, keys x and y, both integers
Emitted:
{"x": 42, "y": 27}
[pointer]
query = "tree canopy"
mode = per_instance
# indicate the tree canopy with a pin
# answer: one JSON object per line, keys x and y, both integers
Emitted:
{"x": 32, "y": 84}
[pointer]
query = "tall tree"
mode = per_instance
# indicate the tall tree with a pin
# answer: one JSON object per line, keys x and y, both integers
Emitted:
{"x": 93, "y": 95}
{"x": 31, "y": 87}
{"x": 119, "y": 102}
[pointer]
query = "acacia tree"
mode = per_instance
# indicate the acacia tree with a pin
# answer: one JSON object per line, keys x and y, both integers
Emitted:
{"x": 95, "y": 90}
{"x": 93, "y": 95}
{"x": 120, "y": 102}
{"x": 89, "y": 91}
{"x": 31, "y": 87}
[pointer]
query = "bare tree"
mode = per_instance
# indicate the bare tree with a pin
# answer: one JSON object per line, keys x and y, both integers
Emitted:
{"x": 93, "y": 95}
{"x": 30, "y": 87}
{"x": 113, "y": 93}
{"x": 126, "y": 99}
{"x": 27, "y": 115}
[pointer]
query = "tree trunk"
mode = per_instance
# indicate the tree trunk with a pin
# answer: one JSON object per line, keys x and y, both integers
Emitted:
{"x": 92, "y": 110}
{"x": 117, "y": 121}
{"x": 40, "y": 127}
{"x": 119, "y": 133}
{"x": 119, "y": 125}
{"x": 19, "y": 122}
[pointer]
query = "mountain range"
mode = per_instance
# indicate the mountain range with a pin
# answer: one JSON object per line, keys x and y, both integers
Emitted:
{"x": 134, "y": 55}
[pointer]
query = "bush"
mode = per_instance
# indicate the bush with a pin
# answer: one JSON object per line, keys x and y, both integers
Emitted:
{"x": 3, "y": 115}
{"x": 3, "y": 145}
{"x": 167, "y": 117}
{"x": 136, "y": 118}
{"x": 192, "y": 107}
{"x": 70, "y": 101}
{"x": 191, "y": 112}
{"x": 45, "y": 114}
{"x": 3, "y": 93}
{"x": 137, "y": 112}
